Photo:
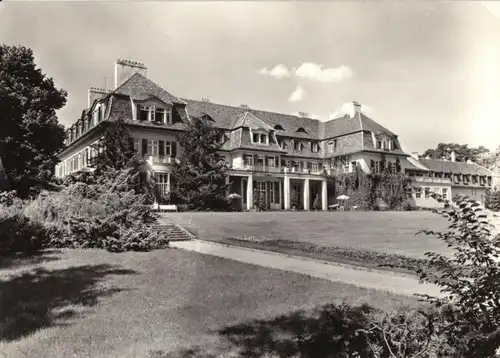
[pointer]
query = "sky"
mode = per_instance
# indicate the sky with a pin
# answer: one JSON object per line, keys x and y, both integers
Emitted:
{"x": 428, "y": 71}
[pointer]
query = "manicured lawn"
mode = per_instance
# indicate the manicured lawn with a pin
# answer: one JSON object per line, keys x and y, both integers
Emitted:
{"x": 98, "y": 304}
{"x": 389, "y": 232}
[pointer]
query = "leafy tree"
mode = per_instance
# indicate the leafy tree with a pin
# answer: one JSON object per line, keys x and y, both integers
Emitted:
{"x": 30, "y": 135}
{"x": 116, "y": 153}
{"x": 198, "y": 177}
{"x": 462, "y": 152}
{"x": 3, "y": 176}
{"x": 492, "y": 200}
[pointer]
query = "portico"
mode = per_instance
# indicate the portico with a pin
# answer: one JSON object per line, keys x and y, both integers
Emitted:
{"x": 280, "y": 192}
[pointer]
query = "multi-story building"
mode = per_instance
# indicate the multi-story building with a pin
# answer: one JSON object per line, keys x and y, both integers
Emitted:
{"x": 270, "y": 152}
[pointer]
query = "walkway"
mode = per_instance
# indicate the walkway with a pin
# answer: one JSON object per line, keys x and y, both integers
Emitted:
{"x": 400, "y": 284}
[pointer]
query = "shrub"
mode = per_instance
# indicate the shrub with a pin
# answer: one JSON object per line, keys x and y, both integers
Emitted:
{"x": 469, "y": 310}
{"x": 492, "y": 200}
{"x": 234, "y": 202}
{"x": 19, "y": 234}
{"x": 104, "y": 214}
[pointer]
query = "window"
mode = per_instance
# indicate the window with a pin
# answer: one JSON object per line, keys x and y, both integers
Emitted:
{"x": 376, "y": 166}
{"x": 271, "y": 162}
{"x": 279, "y": 127}
{"x": 315, "y": 147}
{"x": 385, "y": 144}
{"x": 379, "y": 144}
{"x": 249, "y": 159}
{"x": 142, "y": 113}
{"x": 354, "y": 165}
{"x": 276, "y": 192}
{"x": 332, "y": 146}
{"x": 301, "y": 130}
{"x": 418, "y": 193}
{"x": 297, "y": 145}
{"x": 314, "y": 167}
{"x": 259, "y": 138}
{"x": 136, "y": 145}
{"x": 427, "y": 192}
{"x": 288, "y": 163}
{"x": 445, "y": 193}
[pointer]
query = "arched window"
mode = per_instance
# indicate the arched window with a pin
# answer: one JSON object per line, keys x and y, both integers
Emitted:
{"x": 278, "y": 127}
{"x": 301, "y": 130}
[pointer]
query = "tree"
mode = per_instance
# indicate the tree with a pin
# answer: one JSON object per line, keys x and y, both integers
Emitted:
{"x": 462, "y": 152}
{"x": 30, "y": 135}
{"x": 116, "y": 153}
{"x": 492, "y": 200}
{"x": 198, "y": 177}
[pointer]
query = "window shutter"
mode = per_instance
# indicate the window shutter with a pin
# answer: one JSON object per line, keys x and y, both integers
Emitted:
{"x": 137, "y": 112}
{"x": 277, "y": 161}
{"x": 174, "y": 149}
{"x": 144, "y": 146}
{"x": 266, "y": 160}
{"x": 161, "y": 149}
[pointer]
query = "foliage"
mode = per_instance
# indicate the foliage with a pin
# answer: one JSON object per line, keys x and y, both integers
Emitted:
{"x": 366, "y": 190}
{"x": 492, "y": 199}
{"x": 198, "y": 178}
{"x": 260, "y": 200}
{"x": 116, "y": 152}
{"x": 234, "y": 202}
{"x": 294, "y": 199}
{"x": 469, "y": 309}
{"x": 317, "y": 203}
{"x": 105, "y": 213}
{"x": 462, "y": 152}
{"x": 31, "y": 135}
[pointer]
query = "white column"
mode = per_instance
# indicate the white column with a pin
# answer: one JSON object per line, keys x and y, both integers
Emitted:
{"x": 250, "y": 192}
{"x": 286, "y": 192}
{"x": 324, "y": 195}
{"x": 306, "y": 194}
{"x": 168, "y": 182}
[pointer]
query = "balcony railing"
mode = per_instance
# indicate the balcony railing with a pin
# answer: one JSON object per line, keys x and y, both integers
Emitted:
{"x": 160, "y": 159}
{"x": 256, "y": 168}
{"x": 433, "y": 180}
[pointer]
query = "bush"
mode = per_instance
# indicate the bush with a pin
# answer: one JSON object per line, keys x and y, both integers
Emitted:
{"x": 19, "y": 234}
{"x": 234, "y": 202}
{"x": 492, "y": 200}
{"x": 104, "y": 214}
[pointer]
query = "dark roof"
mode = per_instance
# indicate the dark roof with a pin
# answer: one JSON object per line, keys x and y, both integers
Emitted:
{"x": 141, "y": 88}
{"x": 342, "y": 126}
{"x": 455, "y": 167}
{"x": 368, "y": 124}
{"x": 230, "y": 117}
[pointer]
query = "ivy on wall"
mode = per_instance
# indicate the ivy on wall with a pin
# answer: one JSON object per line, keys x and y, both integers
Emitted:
{"x": 370, "y": 191}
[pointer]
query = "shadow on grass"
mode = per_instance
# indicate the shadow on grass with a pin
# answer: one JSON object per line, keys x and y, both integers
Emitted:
{"x": 44, "y": 298}
{"x": 23, "y": 259}
{"x": 330, "y": 331}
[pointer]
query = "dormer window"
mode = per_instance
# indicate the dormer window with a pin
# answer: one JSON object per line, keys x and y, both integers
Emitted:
{"x": 260, "y": 138}
{"x": 153, "y": 114}
{"x": 278, "y": 127}
{"x": 332, "y": 146}
{"x": 142, "y": 113}
{"x": 301, "y": 130}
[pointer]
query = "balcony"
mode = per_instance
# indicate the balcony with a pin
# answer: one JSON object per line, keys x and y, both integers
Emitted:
{"x": 433, "y": 180}
{"x": 256, "y": 168}
{"x": 160, "y": 159}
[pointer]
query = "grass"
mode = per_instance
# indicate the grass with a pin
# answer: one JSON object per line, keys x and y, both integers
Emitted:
{"x": 160, "y": 304}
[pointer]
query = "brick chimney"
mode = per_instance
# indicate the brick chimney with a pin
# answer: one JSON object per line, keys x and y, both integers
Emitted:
{"x": 453, "y": 156}
{"x": 96, "y": 93}
{"x": 303, "y": 114}
{"x": 356, "y": 108}
{"x": 125, "y": 69}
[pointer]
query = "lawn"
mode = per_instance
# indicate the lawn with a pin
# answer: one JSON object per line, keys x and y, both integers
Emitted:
{"x": 158, "y": 304}
{"x": 387, "y": 232}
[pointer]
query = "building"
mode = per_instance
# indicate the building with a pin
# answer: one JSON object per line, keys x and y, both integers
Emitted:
{"x": 449, "y": 178}
{"x": 270, "y": 152}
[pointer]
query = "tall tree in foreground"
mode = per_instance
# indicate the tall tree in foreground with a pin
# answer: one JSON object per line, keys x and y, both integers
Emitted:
{"x": 199, "y": 175}
{"x": 117, "y": 154}
{"x": 30, "y": 135}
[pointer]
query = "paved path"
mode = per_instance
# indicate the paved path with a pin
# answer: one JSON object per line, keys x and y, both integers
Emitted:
{"x": 399, "y": 284}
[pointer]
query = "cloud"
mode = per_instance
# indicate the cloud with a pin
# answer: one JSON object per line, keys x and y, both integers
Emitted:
{"x": 348, "y": 108}
{"x": 297, "y": 95}
{"x": 317, "y": 72}
{"x": 279, "y": 71}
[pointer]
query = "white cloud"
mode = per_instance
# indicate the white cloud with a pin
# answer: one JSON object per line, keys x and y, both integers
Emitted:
{"x": 317, "y": 72}
{"x": 348, "y": 108}
{"x": 279, "y": 71}
{"x": 297, "y": 95}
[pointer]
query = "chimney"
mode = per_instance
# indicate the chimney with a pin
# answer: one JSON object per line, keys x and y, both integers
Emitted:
{"x": 304, "y": 114}
{"x": 125, "y": 69}
{"x": 205, "y": 99}
{"x": 244, "y": 106}
{"x": 453, "y": 156}
{"x": 96, "y": 93}
{"x": 415, "y": 155}
{"x": 356, "y": 108}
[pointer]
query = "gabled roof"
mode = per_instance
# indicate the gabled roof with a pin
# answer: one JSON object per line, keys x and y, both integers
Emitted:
{"x": 341, "y": 126}
{"x": 141, "y": 88}
{"x": 455, "y": 167}
{"x": 368, "y": 124}
{"x": 247, "y": 119}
